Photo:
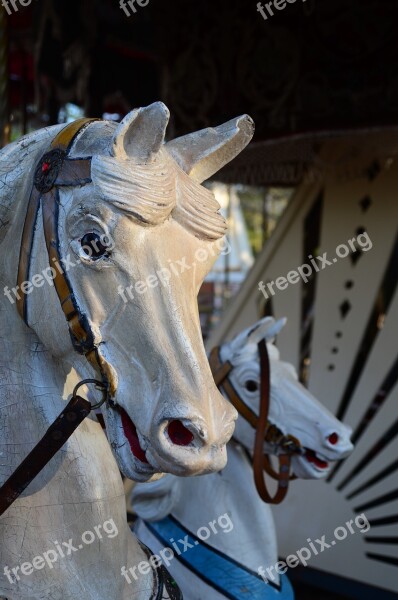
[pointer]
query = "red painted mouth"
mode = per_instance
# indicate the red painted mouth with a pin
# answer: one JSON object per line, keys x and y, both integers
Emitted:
{"x": 312, "y": 458}
{"x": 130, "y": 432}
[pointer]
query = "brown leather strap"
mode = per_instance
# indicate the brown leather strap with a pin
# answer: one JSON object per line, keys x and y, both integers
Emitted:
{"x": 286, "y": 444}
{"x": 269, "y": 469}
{"x": 219, "y": 369}
{"x": 81, "y": 334}
{"x": 220, "y": 372}
{"x": 258, "y": 457}
{"x": 265, "y": 431}
{"x": 52, "y": 441}
{"x": 67, "y": 136}
{"x": 56, "y": 169}
{"x": 60, "y": 146}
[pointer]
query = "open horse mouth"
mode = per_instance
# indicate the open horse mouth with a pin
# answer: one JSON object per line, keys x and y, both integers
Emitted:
{"x": 130, "y": 431}
{"x": 314, "y": 459}
{"x": 177, "y": 432}
{"x": 127, "y": 444}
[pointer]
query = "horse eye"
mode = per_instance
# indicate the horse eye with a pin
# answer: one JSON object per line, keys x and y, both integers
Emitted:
{"x": 93, "y": 245}
{"x": 251, "y": 385}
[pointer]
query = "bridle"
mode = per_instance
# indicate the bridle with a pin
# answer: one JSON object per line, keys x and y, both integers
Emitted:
{"x": 56, "y": 170}
{"x": 284, "y": 446}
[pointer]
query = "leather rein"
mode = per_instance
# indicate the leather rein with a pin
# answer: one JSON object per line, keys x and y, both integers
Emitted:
{"x": 54, "y": 171}
{"x": 284, "y": 446}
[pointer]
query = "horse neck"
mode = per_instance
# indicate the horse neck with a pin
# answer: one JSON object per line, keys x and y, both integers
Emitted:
{"x": 31, "y": 387}
{"x": 34, "y": 388}
{"x": 32, "y": 382}
{"x": 33, "y": 391}
{"x": 231, "y": 491}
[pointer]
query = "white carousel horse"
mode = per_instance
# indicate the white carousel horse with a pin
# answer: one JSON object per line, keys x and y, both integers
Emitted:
{"x": 226, "y": 566}
{"x": 118, "y": 205}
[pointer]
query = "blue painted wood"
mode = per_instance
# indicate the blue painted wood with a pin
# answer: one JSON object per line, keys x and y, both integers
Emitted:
{"x": 227, "y": 576}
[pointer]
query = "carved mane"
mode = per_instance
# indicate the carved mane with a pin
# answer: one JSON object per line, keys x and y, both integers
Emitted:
{"x": 148, "y": 192}
{"x": 153, "y": 192}
{"x": 136, "y": 170}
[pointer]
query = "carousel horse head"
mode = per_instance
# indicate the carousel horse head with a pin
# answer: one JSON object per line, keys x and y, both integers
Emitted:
{"x": 125, "y": 218}
{"x": 293, "y": 410}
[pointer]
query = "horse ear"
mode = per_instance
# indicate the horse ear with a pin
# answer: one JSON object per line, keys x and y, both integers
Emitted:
{"x": 267, "y": 329}
{"x": 264, "y": 328}
{"x": 203, "y": 153}
{"x": 140, "y": 135}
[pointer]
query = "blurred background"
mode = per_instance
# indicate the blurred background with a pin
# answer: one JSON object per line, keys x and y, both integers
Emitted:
{"x": 320, "y": 80}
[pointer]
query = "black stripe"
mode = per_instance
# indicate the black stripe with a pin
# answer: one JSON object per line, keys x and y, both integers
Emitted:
{"x": 267, "y": 307}
{"x": 389, "y": 560}
{"x": 382, "y": 475}
{"x": 381, "y": 540}
{"x": 311, "y": 243}
{"x": 377, "y": 402}
{"x": 371, "y": 454}
{"x": 381, "y": 305}
{"x": 383, "y": 521}
{"x": 374, "y": 407}
{"x": 378, "y": 501}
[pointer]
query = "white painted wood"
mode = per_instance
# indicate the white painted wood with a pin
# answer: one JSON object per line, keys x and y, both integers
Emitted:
{"x": 145, "y": 202}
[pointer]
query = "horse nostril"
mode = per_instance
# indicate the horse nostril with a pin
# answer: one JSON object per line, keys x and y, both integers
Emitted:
{"x": 179, "y": 434}
{"x": 333, "y": 438}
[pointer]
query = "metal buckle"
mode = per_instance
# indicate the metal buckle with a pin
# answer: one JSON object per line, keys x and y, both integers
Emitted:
{"x": 291, "y": 445}
{"x": 101, "y": 385}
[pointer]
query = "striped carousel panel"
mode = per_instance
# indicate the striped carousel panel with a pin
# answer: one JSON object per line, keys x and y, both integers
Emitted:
{"x": 342, "y": 337}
